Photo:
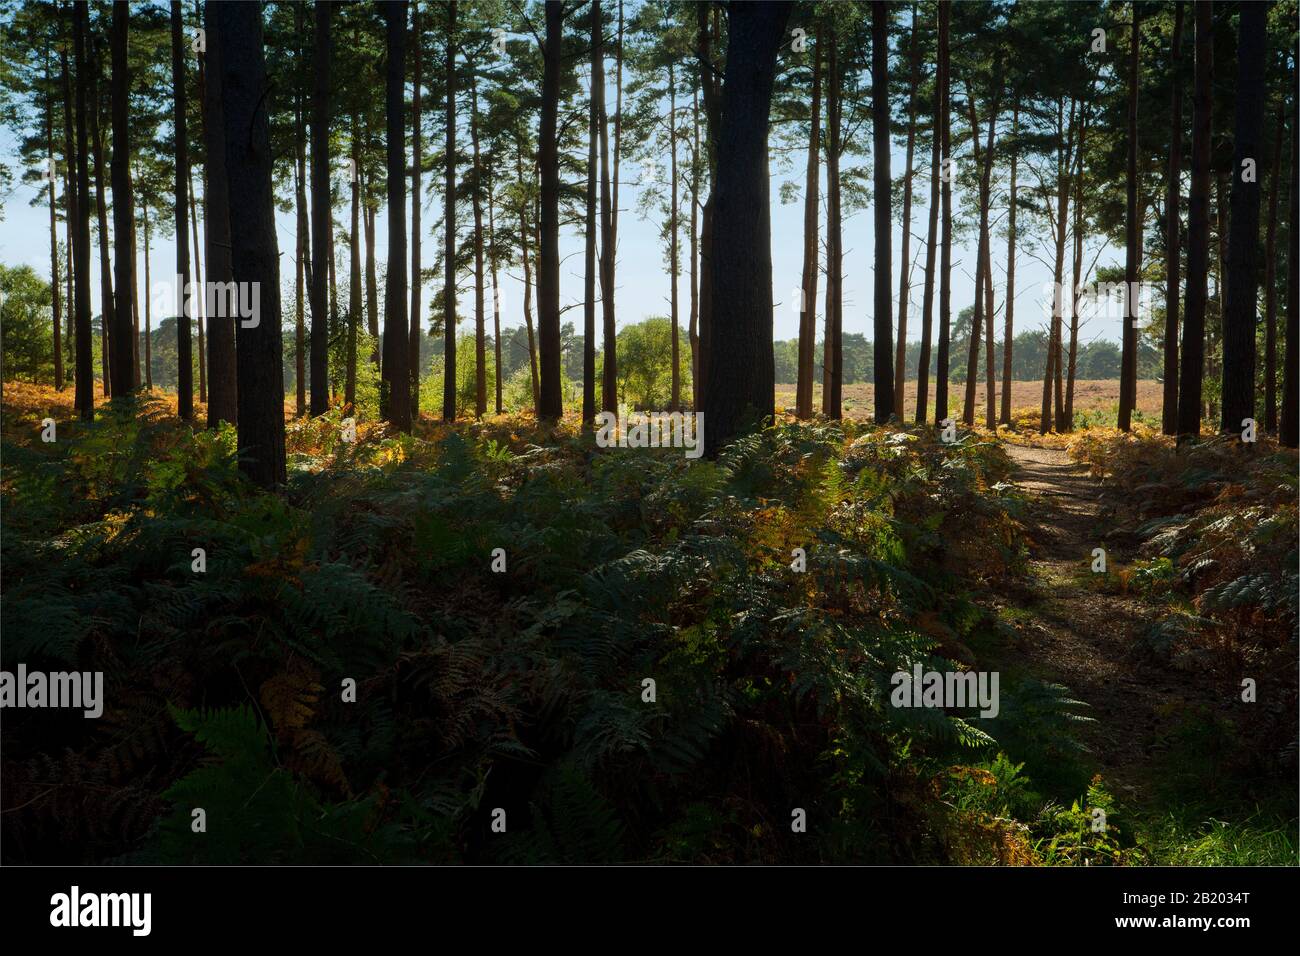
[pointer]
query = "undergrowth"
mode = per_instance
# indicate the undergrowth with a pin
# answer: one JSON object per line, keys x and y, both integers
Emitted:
{"x": 349, "y": 680}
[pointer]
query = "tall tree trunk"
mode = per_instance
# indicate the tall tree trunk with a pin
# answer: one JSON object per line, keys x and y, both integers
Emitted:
{"x": 693, "y": 331}
{"x": 417, "y": 196}
{"x": 372, "y": 272}
{"x": 551, "y": 406}
{"x": 184, "y": 355}
{"x": 396, "y": 365}
{"x": 672, "y": 235}
{"x": 712, "y": 119}
{"x": 255, "y": 256}
{"x": 51, "y": 175}
{"x": 449, "y": 221}
{"x": 71, "y": 222}
{"x": 803, "y": 401}
{"x": 524, "y": 231}
{"x": 496, "y": 289}
{"x": 833, "y": 337}
{"x": 927, "y": 300}
{"x": 1198, "y": 229}
{"x": 945, "y": 246}
{"x": 480, "y": 332}
{"x": 303, "y": 244}
{"x": 121, "y": 373}
{"x": 1240, "y": 315}
{"x": 740, "y": 390}
{"x": 148, "y": 322}
{"x": 1065, "y": 130}
{"x": 1008, "y": 328}
{"x": 904, "y": 261}
{"x": 354, "y": 274}
{"x": 223, "y": 395}
{"x": 135, "y": 285}
{"x": 106, "y": 304}
{"x": 884, "y": 317}
{"x": 200, "y": 304}
{"x": 609, "y": 370}
{"x": 589, "y": 249}
{"x": 1173, "y": 193}
{"x": 1270, "y": 279}
{"x": 84, "y": 399}
{"x": 982, "y": 316}
{"x": 1073, "y": 353}
{"x": 320, "y": 210}
{"x": 1133, "y": 242}
{"x": 1289, "y": 427}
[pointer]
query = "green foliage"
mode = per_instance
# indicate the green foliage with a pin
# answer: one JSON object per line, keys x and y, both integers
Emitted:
{"x": 520, "y": 690}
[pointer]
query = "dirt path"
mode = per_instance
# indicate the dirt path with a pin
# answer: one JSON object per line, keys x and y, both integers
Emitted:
{"x": 1074, "y": 634}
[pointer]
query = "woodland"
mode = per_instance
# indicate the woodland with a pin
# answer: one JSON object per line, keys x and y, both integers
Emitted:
{"x": 316, "y": 321}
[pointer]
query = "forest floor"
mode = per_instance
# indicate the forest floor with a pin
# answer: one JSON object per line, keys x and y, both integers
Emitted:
{"x": 1073, "y": 634}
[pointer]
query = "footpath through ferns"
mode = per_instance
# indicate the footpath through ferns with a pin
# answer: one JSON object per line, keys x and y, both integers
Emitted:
{"x": 501, "y": 643}
{"x": 1158, "y": 628}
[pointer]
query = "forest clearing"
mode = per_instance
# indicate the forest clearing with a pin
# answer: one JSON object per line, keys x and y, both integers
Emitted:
{"x": 649, "y": 432}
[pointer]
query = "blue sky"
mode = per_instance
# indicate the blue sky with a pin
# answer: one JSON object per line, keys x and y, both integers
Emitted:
{"x": 642, "y": 277}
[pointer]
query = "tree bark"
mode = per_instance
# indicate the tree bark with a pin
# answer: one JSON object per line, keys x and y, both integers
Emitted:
{"x": 303, "y": 244}
{"x": 120, "y": 350}
{"x": 927, "y": 300}
{"x": 741, "y": 389}
{"x": 184, "y": 354}
{"x": 884, "y": 318}
{"x": 1240, "y": 315}
{"x": 524, "y": 231}
{"x": 56, "y": 301}
{"x": 833, "y": 337}
{"x": 417, "y": 197}
{"x": 811, "y": 248}
{"x": 354, "y": 275}
{"x": 449, "y": 222}
{"x": 255, "y": 256}
{"x": 372, "y": 272}
{"x": 71, "y": 222}
{"x": 693, "y": 331}
{"x": 106, "y": 303}
{"x": 1198, "y": 229}
{"x": 1008, "y": 328}
{"x": 712, "y": 120}
{"x": 1073, "y": 353}
{"x": 904, "y": 260}
{"x": 1270, "y": 279}
{"x": 1173, "y": 194}
{"x": 496, "y": 289}
{"x": 589, "y": 250}
{"x": 223, "y": 394}
{"x": 320, "y": 210}
{"x": 945, "y": 248}
{"x": 551, "y": 405}
{"x": 609, "y": 371}
{"x": 1065, "y": 129}
{"x": 480, "y": 344}
{"x": 672, "y": 235}
{"x": 396, "y": 365}
{"x": 148, "y": 323}
{"x": 200, "y": 303}
{"x": 982, "y": 315}
{"x": 1289, "y": 427}
{"x": 84, "y": 398}
{"x": 1133, "y": 243}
